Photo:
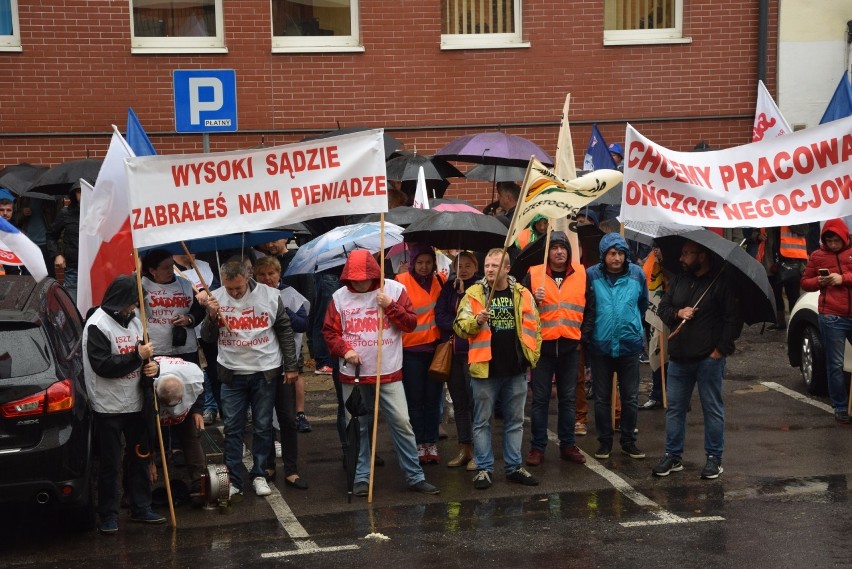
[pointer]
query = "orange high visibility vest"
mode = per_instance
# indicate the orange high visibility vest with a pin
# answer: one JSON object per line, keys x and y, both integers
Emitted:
{"x": 793, "y": 246}
{"x": 524, "y": 238}
{"x": 423, "y": 303}
{"x": 480, "y": 344}
{"x": 561, "y": 313}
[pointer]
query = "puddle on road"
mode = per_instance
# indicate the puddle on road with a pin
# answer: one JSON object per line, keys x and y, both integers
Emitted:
{"x": 812, "y": 489}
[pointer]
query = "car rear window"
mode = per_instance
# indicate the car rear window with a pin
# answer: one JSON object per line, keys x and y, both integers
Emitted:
{"x": 23, "y": 352}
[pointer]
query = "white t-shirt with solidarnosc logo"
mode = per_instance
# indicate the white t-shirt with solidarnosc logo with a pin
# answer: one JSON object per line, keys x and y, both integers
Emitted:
{"x": 359, "y": 319}
{"x": 163, "y": 303}
{"x": 193, "y": 385}
{"x": 108, "y": 394}
{"x": 251, "y": 345}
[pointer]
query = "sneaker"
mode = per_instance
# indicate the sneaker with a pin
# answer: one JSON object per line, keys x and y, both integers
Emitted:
{"x": 234, "y": 491}
{"x": 482, "y": 480}
{"x": 650, "y": 404}
{"x": 534, "y": 457}
{"x": 421, "y": 453}
{"x": 573, "y": 454}
{"x": 261, "y": 488}
{"x": 522, "y": 476}
{"x": 147, "y": 517}
{"x": 302, "y": 423}
{"x": 278, "y": 452}
{"x": 631, "y": 450}
{"x": 604, "y": 449}
{"x": 667, "y": 465}
{"x": 108, "y": 526}
{"x": 432, "y": 456}
{"x": 644, "y": 359}
{"x": 361, "y": 489}
{"x": 323, "y": 370}
{"x": 209, "y": 417}
{"x": 424, "y": 488}
{"x": 580, "y": 429}
{"x": 842, "y": 417}
{"x": 712, "y": 468}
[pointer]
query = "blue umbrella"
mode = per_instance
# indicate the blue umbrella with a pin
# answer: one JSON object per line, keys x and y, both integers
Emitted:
{"x": 333, "y": 248}
{"x": 225, "y": 242}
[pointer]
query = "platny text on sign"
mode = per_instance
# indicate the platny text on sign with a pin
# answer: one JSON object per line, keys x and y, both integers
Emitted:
{"x": 801, "y": 177}
{"x": 174, "y": 198}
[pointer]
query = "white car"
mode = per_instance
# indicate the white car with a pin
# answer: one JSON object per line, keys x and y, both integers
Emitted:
{"x": 804, "y": 344}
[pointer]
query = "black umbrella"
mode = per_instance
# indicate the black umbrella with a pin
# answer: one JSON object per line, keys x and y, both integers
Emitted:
{"x": 391, "y": 144}
{"x": 19, "y": 177}
{"x": 589, "y": 236}
{"x": 407, "y": 167}
{"x": 402, "y": 216}
{"x": 457, "y": 230}
{"x": 357, "y": 409}
{"x": 748, "y": 277}
{"x": 57, "y": 181}
{"x": 495, "y": 173}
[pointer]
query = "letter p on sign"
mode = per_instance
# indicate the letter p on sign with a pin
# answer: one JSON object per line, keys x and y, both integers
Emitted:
{"x": 197, "y": 104}
{"x": 205, "y": 100}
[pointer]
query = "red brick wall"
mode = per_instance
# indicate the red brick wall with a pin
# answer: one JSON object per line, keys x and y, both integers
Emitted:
{"x": 76, "y": 75}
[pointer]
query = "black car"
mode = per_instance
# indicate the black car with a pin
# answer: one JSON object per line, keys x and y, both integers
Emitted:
{"x": 45, "y": 418}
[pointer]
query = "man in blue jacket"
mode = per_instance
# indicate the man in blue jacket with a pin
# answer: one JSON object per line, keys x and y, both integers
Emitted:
{"x": 616, "y": 299}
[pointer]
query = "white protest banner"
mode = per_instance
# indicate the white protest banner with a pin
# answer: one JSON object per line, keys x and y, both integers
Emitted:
{"x": 800, "y": 177}
{"x": 180, "y": 197}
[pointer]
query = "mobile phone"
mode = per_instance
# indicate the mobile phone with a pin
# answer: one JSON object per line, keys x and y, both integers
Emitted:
{"x": 823, "y": 272}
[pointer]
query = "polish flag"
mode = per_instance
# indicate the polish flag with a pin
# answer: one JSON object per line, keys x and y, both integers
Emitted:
{"x": 106, "y": 245}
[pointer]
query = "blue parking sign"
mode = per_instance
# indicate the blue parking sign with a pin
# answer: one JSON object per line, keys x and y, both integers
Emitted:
{"x": 205, "y": 100}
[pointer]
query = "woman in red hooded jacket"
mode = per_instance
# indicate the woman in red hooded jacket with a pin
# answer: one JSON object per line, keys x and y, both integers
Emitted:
{"x": 829, "y": 270}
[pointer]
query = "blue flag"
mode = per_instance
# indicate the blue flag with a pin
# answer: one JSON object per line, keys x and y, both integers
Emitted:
{"x": 136, "y": 137}
{"x": 597, "y": 154}
{"x": 840, "y": 105}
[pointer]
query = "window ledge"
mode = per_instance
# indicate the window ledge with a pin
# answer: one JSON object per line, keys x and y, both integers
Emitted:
{"x": 473, "y": 44}
{"x": 177, "y": 50}
{"x": 648, "y": 41}
{"x": 11, "y": 48}
{"x": 319, "y": 49}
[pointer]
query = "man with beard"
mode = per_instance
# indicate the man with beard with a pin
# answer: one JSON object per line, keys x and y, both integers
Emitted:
{"x": 697, "y": 354}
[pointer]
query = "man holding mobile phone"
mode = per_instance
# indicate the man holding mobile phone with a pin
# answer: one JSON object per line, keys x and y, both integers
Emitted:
{"x": 829, "y": 270}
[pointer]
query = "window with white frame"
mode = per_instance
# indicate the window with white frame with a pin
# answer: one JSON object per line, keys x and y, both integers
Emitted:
{"x": 471, "y": 24}
{"x": 643, "y": 21}
{"x": 10, "y": 35}
{"x": 177, "y": 26}
{"x": 315, "y": 25}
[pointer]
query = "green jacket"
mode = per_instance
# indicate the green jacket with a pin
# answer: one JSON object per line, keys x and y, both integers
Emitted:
{"x": 466, "y": 327}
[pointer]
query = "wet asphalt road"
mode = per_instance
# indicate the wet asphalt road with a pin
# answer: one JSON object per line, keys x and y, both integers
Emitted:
{"x": 781, "y": 502}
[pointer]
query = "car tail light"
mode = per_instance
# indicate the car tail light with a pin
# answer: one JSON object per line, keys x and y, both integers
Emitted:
{"x": 56, "y": 398}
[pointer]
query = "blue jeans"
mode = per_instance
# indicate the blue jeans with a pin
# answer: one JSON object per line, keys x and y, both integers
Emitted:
{"x": 325, "y": 285}
{"x": 209, "y": 398}
{"x": 564, "y": 367}
{"x": 70, "y": 282}
{"x": 242, "y": 391}
{"x": 422, "y": 394}
{"x": 511, "y": 390}
{"x": 681, "y": 379}
{"x": 395, "y": 413}
{"x": 627, "y": 369}
{"x": 835, "y": 331}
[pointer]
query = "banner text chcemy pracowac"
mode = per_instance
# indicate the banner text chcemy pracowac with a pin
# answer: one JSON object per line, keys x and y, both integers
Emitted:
{"x": 797, "y": 178}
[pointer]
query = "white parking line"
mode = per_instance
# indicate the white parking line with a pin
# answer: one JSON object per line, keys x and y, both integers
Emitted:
{"x": 291, "y": 525}
{"x": 663, "y": 516}
{"x": 798, "y": 396}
